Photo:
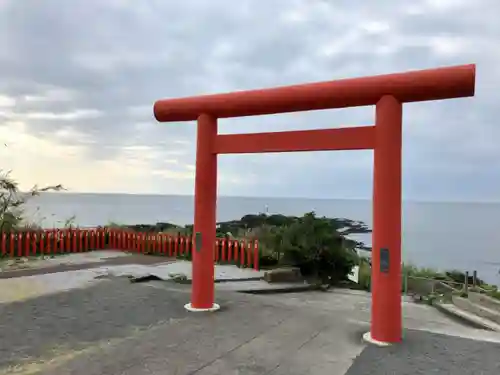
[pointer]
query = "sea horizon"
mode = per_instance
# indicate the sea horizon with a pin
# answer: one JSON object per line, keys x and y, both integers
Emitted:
{"x": 273, "y": 197}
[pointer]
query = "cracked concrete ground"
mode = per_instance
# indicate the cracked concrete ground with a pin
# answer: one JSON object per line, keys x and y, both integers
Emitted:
{"x": 116, "y": 327}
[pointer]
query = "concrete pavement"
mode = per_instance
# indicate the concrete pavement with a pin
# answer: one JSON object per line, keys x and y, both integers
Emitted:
{"x": 115, "y": 327}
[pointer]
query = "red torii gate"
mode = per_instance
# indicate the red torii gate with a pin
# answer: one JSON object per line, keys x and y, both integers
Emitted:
{"x": 387, "y": 92}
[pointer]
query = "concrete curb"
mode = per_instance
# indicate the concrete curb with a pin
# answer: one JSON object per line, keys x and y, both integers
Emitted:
{"x": 282, "y": 290}
{"x": 217, "y": 281}
{"x": 150, "y": 277}
{"x": 293, "y": 288}
{"x": 465, "y": 319}
{"x": 257, "y": 278}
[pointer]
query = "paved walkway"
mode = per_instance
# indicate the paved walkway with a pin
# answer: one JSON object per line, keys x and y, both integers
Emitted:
{"x": 429, "y": 353}
{"x": 38, "y": 281}
{"x": 146, "y": 260}
{"x": 116, "y": 327}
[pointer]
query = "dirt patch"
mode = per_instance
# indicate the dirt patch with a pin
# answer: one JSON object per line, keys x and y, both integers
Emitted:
{"x": 112, "y": 261}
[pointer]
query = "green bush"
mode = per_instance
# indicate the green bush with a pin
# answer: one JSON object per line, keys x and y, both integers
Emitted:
{"x": 424, "y": 272}
{"x": 315, "y": 246}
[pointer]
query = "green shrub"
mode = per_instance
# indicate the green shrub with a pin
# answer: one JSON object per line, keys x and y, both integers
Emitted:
{"x": 315, "y": 246}
{"x": 365, "y": 274}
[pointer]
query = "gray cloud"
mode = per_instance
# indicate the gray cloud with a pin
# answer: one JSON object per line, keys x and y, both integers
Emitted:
{"x": 96, "y": 67}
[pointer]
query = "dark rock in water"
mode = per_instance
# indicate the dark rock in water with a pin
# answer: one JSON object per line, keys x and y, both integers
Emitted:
{"x": 158, "y": 227}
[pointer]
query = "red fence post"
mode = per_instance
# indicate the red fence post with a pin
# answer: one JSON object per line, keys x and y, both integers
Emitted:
{"x": 79, "y": 240}
{"x": 62, "y": 241}
{"x": 96, "y": 239}
{"x": 154, "y": 239}
{"x": 242, "y": 254}
{"x": 92, "y": 239}
{"x": 223, "y": 250}
{"x": 163, "y": 243}
{"x": 236, "y": 247}
{"x": 4, "y": 244}
{"x": 229, "y": 250}
{"x": 256, "y": 255}
{"x": 48, "y": 245}
{"x": 72, "y": 236}
{"x": 183, "y": 244}
{"x": 112, "y": 243}
{"x": 249, "y": 254}
{"x": 119, "y": 240}
{"x": 27, "y": 244}
{"x": 35, "y": 238}
{"x": 57, "y": 250}
{"x": 67, "y": 239}
{"x": 11, "y": 245}
{"x": 103, "y": 239}
{"x": 42, "y": 243}
{"x": 19, "y": 244}
{"x": 86, "y": 240}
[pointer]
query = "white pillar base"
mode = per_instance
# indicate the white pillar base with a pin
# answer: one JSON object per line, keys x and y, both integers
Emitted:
{"x": 214, "y": 307}
{"x": 367, "y": 337}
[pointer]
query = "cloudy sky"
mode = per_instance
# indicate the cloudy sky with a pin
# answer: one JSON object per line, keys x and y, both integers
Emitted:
{"x": 78, "y": 80}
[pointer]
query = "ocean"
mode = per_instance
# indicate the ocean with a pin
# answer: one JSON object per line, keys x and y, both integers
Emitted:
{"x": 460, "y": 236}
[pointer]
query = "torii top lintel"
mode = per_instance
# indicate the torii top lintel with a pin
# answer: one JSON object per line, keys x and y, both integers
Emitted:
{"x": 413, "y": 86}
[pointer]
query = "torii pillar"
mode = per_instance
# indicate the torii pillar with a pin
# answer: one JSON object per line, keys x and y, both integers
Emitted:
{"x": 388, "y": 93}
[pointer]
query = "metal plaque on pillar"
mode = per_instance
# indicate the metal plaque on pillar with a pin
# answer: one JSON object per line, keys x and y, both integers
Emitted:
{"x": 384, "y": 260}
{"x": 197, "y": 241}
